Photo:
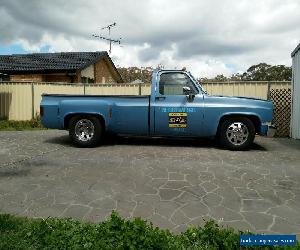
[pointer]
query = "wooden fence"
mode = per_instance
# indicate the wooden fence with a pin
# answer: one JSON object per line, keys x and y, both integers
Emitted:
{"x": 20, "y": 101}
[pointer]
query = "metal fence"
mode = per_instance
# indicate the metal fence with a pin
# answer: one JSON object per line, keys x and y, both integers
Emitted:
{"x": 20, "y": 101}
{"x": 258, "y": 89}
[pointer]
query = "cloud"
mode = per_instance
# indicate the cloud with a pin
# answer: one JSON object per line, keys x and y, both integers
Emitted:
{"x": 208, "y": 37}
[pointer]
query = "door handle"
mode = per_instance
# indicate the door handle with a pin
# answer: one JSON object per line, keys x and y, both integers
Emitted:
{"x": 160, "y": 98}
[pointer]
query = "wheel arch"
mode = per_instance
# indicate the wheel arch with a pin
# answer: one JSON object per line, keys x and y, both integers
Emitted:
{"x": 252, "y": 117}
{"x": 68, "y": 117}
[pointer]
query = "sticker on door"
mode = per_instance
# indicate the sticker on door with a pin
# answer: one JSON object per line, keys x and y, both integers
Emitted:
{"x": 177, "y": 120}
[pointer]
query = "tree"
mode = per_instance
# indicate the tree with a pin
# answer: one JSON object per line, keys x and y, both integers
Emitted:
{"x": 266, "y": 72}
{"x": 131, "y": 74}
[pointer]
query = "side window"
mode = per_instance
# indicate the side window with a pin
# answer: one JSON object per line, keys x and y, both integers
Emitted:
{"x": 173, "y": 83}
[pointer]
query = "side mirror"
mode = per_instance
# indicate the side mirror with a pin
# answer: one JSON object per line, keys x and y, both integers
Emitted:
{"x": 189, "y": 93}
{"x": 186, "y": 90}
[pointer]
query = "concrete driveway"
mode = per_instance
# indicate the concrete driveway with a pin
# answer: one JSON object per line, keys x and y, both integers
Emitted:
{"x": 173, "y": 183}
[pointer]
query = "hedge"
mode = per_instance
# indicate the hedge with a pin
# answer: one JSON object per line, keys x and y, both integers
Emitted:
{"x": 115, "y": 233}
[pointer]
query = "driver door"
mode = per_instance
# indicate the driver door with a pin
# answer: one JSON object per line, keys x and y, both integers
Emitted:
{"x": 176, "y": 114}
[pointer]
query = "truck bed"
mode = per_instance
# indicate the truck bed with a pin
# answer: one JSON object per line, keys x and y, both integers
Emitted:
{"x": 124, "y": 114}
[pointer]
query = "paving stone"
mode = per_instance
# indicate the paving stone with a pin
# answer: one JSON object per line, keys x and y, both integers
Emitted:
{"x": 50, "y": 211}
{"x": 143, "y": 210}
{"x": 285, "y": 227}
{"x": 176, "y": 184}
{"x": 161, "y": 222}
{"x": 206, "y": 176}
{"x": 200, "y": 221}
{"x": 195, "y": 190}
{"x": 195, "y": 209}
{"x": 231, "y": 200}
{"x": 173, "y": 176}
{"x": 186, "y": 197}
{"x": 106, "y": 203}
{"x": 64, "y": 197}
{"x": 209, "y": 186}
{"x": 221, "y": 213}
{"x": 97, "y": 215}
{"x": 247, "y": 193}
{"x": 287, "y": 213}
{"x": 237, "y": 225}
{"x": 147, "y": 198}
{"x": 159, "y": 173}
{"x": 255, "y": 205}
{"x": 270, "y": 195}
{"x": 233, "y": 182}
{"x": 157, "y": 183}
{"x": 179, "y": 218}
{"x": 193, "y": 179}
{"x": 179, "y": 229}
{"x": 212, "y": 199}
{"x": 259, "y": 221}
{"x": 168, "y": 194}
{"x": 165, "y": 208}
{"x": 76, "y": 211}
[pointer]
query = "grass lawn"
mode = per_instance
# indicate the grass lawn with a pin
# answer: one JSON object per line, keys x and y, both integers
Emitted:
{"x": 115, "y": 233}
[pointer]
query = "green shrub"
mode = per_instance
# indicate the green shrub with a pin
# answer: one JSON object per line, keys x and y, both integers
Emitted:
{"x": 115, "y": 233}
{"x": 21, "y": 125}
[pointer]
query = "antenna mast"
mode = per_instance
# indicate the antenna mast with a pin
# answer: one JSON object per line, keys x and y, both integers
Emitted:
{"x": 109, "y": 39}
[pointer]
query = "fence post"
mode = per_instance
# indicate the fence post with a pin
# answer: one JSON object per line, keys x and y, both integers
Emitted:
{"x": 140, "y": 88}
{"x": 32, "y": 100}
{"x": 269, "y": 90}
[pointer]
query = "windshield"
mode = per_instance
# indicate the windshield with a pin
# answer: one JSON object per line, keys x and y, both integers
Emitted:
{"x": 199, "y": 84}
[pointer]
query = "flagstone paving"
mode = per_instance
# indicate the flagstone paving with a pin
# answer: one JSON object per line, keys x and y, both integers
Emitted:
{"x": 173, "y": 183}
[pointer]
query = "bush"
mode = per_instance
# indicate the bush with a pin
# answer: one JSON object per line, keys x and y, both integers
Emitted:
{"x": 21, "y": 125}
{"x": 115, "y": 233}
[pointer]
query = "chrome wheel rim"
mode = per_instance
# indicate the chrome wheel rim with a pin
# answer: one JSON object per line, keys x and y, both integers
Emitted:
{"x": 84, "y": 130}
{"x": 237, "y": 133}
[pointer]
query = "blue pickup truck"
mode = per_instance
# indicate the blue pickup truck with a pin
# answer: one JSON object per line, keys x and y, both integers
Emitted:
{"x": 177, "y": 107}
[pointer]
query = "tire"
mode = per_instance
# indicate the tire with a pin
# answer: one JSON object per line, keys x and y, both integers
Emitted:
{"x": 85, "y": 131}
{"x": 237, "y": 133}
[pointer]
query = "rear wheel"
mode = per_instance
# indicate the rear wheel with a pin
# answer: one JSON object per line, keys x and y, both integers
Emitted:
{"x": 237, "y": 133}
{"x": 85, "y": 131}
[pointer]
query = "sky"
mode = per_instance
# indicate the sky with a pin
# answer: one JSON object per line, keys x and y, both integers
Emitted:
{"x": 207, "y": 37}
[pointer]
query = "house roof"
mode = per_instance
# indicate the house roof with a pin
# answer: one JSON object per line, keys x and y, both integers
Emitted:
{"x": 295, "y": 50}
{"x": 52, "y": 62}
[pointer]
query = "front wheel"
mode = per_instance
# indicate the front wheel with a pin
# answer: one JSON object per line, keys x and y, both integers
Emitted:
{"x": 85, "y": 131}
{"x": 237, "y": 133}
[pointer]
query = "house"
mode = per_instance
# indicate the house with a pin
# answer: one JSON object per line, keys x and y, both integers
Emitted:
{"x": 67, "y": 67}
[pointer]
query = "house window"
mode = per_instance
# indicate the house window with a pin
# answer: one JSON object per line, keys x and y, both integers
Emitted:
{"x": 4, "y": 78}
{"x": 87, "y": 80}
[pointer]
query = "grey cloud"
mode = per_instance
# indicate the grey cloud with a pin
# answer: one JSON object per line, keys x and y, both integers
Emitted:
{"x": 220, "y": 29}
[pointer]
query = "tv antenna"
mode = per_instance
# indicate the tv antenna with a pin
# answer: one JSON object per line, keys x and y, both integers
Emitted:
{"x": 109, "y": 39}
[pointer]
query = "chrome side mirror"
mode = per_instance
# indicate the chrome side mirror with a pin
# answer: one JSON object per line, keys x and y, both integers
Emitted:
{"x": 189, "y": 93}
{"x": 186, "y": 90}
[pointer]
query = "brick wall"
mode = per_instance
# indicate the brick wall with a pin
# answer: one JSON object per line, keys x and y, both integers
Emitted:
{"x": 59, "y": 77}
{"x": 103, "y": 73}
{"x": 27, "y": 78}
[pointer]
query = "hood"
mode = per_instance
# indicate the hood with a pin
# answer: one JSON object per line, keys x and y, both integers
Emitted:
{"x": 241, "y": 97}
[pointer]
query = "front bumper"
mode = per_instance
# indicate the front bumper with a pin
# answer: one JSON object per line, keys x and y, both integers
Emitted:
{"x": 268, "y": 130}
